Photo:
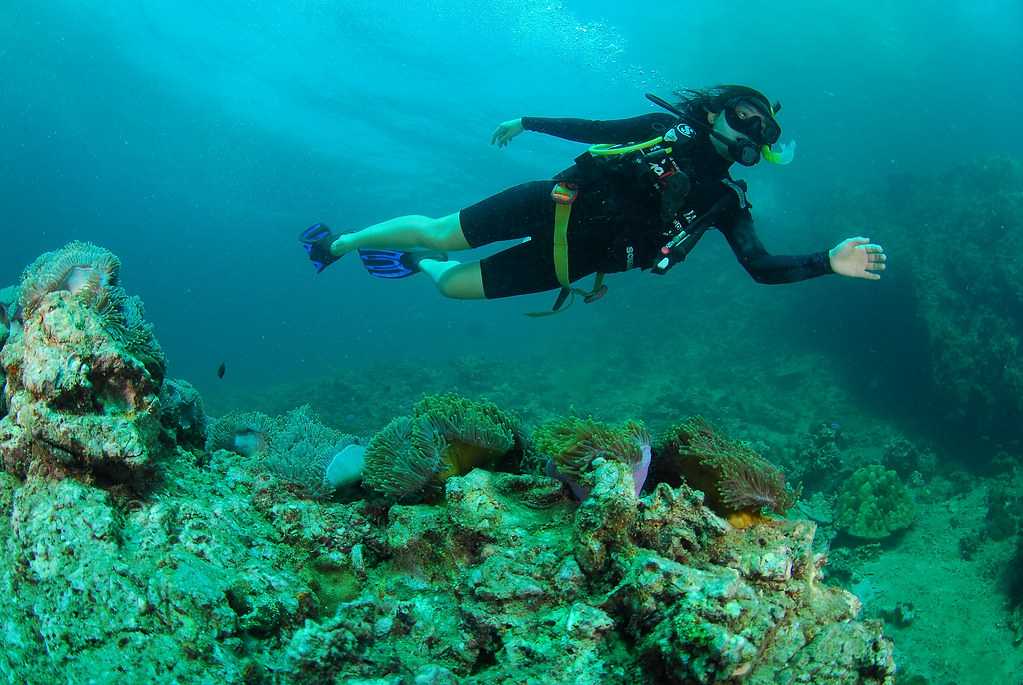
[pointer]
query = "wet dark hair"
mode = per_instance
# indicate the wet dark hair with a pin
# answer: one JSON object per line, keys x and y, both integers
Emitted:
{"x": 696, "y": 102}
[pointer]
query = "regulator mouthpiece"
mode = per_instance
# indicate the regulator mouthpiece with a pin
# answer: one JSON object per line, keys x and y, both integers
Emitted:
{"x": 779, "y": 154}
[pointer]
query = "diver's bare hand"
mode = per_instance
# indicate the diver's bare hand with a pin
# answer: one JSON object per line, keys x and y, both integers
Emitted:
{"x": 858, "y": 258}
{"x": 506, "y": 131}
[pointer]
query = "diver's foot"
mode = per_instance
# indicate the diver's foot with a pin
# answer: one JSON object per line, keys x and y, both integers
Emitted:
{"x": 396, "y": 263}
{"x": 411, "y": 260}
{"x": 318, "y": 241}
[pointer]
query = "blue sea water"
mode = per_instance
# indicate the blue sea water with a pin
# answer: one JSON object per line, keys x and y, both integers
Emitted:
{"x": 196, "y": 139}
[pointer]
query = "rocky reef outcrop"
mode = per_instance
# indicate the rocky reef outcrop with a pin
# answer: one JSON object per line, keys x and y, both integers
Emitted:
{"x": 227, "y": 575}
{"x": 135, "y": 549}
{"x": 953, "y": 240}
{"x": 83, "y": 371}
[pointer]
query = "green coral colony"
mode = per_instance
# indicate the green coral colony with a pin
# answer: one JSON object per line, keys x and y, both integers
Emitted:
{"x": 874, "y": 504}
{"x": 243, "y": 550}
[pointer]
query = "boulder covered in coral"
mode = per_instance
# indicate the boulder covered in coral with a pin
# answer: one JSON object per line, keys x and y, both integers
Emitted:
{"x": 98, "y": 587}
{"x": 83, "y": 370}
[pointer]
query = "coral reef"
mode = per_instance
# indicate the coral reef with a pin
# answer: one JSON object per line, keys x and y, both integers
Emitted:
{"x": 223, "y": 574}
{"x": 1004, "y": 502}
{"x": 447, "y": 435}
{"x": 569, "y": 445}
{"x": 83, "y": 372}
{"x": 738, "y": 483}
{"x": 97, "y": 588}
{"x": 1014, "y": 589}
{"x": 521, "y": 608}
{"x": 874, "y": 504}
{"x": 816, "y": 461}
{"x": 222, "y": 570}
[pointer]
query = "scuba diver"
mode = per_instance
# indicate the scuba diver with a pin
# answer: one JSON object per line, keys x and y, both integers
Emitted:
{"x": 641, "y": 196}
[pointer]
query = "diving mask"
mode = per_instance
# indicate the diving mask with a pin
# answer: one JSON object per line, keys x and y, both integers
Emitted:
{"x": 753, "y": 121}
{"x": 745, "y": 143}
{"x": 748, "y": 132}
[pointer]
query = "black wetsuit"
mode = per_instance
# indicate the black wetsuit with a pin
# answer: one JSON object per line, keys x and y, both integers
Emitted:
{"x": 613, "y": 226}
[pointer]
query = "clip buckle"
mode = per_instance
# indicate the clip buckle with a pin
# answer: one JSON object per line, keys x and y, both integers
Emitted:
{"x": 564, "y": 193}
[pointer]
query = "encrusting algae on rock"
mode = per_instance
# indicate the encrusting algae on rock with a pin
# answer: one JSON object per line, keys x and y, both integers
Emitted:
{"x": 206, "y": 566}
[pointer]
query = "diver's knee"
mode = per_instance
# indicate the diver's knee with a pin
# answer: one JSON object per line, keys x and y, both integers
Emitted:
{"x": 462, "y": 282}
{"x": 448, "y": 285}
{"x": 446, "y": 233}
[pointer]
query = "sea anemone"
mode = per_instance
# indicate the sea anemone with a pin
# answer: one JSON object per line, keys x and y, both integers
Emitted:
{"x": 447, "y": 435}
{"x": 573, "y": 443}
{"x": 300, "y": 449}
{"x": 246, "y": 433}
{"x": 404, "y": 460}
{"x": 738, "y": 483}
{"x": 84, "y": 269}
{"x": 476, "y": 433}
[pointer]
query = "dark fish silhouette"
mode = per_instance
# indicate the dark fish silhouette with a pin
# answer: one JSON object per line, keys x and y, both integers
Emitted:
{"x": 221, "y": 369}
{"x": 4, "y": 319}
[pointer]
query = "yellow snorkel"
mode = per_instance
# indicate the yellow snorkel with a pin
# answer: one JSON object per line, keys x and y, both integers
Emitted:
{"x": 785, "y": 153}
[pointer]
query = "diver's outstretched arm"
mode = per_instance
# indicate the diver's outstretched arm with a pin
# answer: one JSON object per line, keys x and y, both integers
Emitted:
{"x": 631, "y": 130}
{"x": 854, "y": 257}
